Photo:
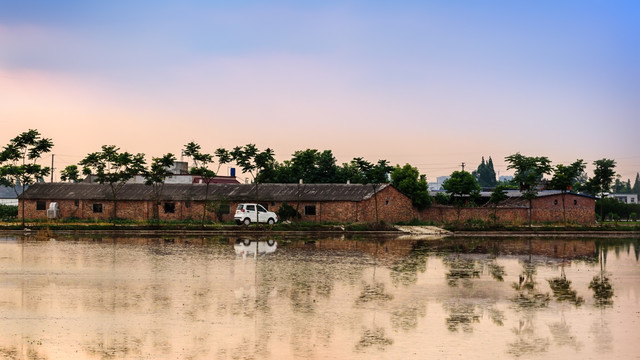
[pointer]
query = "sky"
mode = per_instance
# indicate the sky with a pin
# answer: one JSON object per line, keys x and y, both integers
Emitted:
{"x": 429, "y": 83}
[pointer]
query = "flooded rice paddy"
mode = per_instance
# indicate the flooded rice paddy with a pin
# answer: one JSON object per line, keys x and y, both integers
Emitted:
{"x": 318, "y": 298}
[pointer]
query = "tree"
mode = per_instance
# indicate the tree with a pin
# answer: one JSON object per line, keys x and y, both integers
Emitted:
{"x": 201, "y": 163}
{"x": 253, "y": 161}
{"x": 461, "y": 185}
{"x": 564, "y": 178}
{"x": 20, "y": 158}
{"x": 156, "y": 176}
{"x": 409, "y": 181}
{"x": 485, "y": 174}
{"x": 70, "y": 173}
{"x": 636, "y": 185}
{"x": 111, "y": 167}
{"x": 498, "y": 195}
{"x": 374, "y": 175}
{"x": 528, "y": 175}
{"x": 603, "y": 176}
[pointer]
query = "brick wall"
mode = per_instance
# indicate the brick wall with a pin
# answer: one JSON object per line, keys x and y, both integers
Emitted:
{"x": 548, "y": 209}
{"x": 393, "y": 207}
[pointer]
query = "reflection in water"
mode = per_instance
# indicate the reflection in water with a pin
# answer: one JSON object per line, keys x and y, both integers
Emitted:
{"x": 374, "y": 337}
{"x": 561, "y": 287}
{"x": 563, "y": 336}
{"x": 461, "y": 269}
{"x": 201, "y": 298}
{"x": 527, "y": 341}
{"x": 527, "y": 294}
{"x": 602, "y": 289}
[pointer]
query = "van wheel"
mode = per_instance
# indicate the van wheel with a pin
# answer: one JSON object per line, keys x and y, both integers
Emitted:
{"x": 246, "y": 221}
{"x": 246, "y": 242}
{"x": 270, "y": 221}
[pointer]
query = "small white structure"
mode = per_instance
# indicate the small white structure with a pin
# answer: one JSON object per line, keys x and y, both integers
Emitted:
{"x": 54, "y": 211}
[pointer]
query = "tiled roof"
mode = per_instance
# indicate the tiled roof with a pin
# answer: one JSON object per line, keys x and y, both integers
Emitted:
{"x": 231, "y": 192}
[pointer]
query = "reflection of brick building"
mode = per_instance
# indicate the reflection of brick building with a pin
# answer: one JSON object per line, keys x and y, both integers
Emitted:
{"x": 316, "y": 202}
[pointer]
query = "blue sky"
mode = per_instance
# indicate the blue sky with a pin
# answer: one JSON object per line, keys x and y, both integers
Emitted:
{"x": 431, "y": 83}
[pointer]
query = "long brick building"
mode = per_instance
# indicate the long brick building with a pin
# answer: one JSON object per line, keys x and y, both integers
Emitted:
{"x": 315, "y": 202}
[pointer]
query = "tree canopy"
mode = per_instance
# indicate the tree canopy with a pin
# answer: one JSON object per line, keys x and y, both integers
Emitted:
{"x": 409, "y": 181}
{"x": 485, "y": 174}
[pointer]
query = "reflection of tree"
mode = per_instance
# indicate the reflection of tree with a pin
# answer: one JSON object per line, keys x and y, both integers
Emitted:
{"x": 406, "y": 318}
{"x": 406, "y": 270}
{"x": 375, "y": 337}
{"x": 602, "y": 289}
{"x": 528, "y": 296}
{"x": 497, "y": 271}
{"x": 527, "y": 342}
{"x": 461, "y": 316}
{"x": 562, "y": 336}
{"x": 460, "y": 269}
{"x": 561, "y": 287}
{"x": 375, "y": 292}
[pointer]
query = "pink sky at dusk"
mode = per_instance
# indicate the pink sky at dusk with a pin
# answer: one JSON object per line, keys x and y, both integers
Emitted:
{"x": 431, "y": 85}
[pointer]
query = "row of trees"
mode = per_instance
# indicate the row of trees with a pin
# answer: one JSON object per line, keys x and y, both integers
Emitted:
{"x": 115, "y": 168}
{"x": 464, "y": 187}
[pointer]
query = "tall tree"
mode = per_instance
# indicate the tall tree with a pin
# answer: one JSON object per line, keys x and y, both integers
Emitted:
{"x": 463, "y": 187}
{"x": 114, "y": 168}
{"x": 410, "y": 182}
{"x": 485, "y": 174}
{"x": 603, "y": 176}
{"x": 529, "y": 174}
{"x": 70, "y": 173}
{"x": 253, "y": 161}
{"x": 498, "y": 195}
{"x": 564, "y": 179}
{"x": 636, "y": 185}
{"x": 375, "y": 175}
{"x": 18, "y": 161}
{"x": 201, "y": 162}
{"x": 156, "y": 176}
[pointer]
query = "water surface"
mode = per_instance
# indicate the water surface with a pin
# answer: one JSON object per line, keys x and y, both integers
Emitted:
{"x": 269, "y": 298}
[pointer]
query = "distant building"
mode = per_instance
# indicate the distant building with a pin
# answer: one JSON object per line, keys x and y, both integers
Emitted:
{"x": 437, "y": 186}
{"x": 625, "y": 198}
{"x": 8, "y": 196}
{"x": 505, "y": 178}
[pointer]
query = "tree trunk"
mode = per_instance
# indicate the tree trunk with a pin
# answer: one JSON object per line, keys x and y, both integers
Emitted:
{"x": 375, "y": 200}
{"x": 564, "y": 210}
{"x": 530, "y": 211}
{"x": 204, "y": 210}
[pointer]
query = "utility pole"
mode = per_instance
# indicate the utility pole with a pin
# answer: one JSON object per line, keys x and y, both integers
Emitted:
{"x": 52, "y": 155}
{"x": 462, "y": 166}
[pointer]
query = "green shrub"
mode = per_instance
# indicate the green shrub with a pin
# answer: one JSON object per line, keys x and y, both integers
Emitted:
{"x": 8, "y": 212}
{"x": 287, "y": 212}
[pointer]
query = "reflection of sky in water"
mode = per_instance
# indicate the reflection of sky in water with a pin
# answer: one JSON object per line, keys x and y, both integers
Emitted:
{"x": 225, "y": 298}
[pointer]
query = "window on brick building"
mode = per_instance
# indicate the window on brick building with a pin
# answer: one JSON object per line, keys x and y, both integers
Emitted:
{"x": 169, "y": 208}
{"x": 97, "y": 208}
{"x": 225, "y": 209}
{"x": 76, "y": 203}
{"x": 309, "y": 209}
{"x": 386, "y": 202}
{"x": 187, "y": 204}
{"x": 575, "y": 202}
{"x": 41, "y": 205}
{"x": 555, "y": 202}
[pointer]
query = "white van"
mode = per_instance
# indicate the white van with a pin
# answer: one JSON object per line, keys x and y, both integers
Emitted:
{"x": 246, "y": 214}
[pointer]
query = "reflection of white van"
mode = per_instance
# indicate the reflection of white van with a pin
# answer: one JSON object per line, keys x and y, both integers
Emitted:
{"x": 246, "y": 214}
{"x": 246, "y": 247}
